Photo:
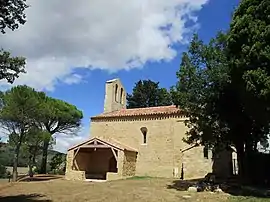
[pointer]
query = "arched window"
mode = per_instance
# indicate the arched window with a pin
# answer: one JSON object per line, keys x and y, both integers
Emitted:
{"x": 144, "y": 135}
{"x": 122, "y": 96}
{"x": 205, "y": 152}
{"x": 116, "y": 92}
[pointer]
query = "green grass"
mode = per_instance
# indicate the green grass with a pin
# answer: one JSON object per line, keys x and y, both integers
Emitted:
{"x": 140, "y": 178}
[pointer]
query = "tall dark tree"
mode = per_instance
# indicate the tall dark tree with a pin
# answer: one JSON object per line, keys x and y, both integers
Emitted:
{"x": 201, "y": 78}
{"x": 147, "y": 93}
{"x": 212, "y": 93}
{"x": 205, "y": 92}
{"x": 57, "y": 117}
{"x": 11, "y": 16}
{"x": 249, "y": 55}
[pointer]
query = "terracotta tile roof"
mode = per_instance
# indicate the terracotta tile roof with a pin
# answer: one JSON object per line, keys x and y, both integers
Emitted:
{"x": 106, "y": 141}
{"x": 172, "y": 109}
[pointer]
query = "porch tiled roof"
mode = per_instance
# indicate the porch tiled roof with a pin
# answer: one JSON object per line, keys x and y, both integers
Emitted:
{"x": 172, "y": 109}
{"x": 106, "y": 141}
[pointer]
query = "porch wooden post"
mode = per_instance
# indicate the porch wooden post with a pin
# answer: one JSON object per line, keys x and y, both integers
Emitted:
{"x": 115, "y": 156}
{"x": 74, "y": 158}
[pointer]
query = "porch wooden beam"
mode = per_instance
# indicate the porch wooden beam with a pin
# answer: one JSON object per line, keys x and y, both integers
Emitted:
{"x": 96, "y": 146}
{"x": 115, "y": 156}
{"x": 76, "y": 152}
{"x": 76, "y": 165}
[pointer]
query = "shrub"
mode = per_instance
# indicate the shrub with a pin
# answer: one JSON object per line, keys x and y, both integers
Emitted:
{"x": 3, "y": 171}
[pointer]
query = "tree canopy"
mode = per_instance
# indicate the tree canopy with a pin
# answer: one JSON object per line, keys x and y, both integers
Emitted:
{"x": 201, "y": 77}
{"x": 249, "y": 55}
{"x": 31, "y": 118}
{"x": 220, "y": 83}
{"x": 10, "y": 67}
{"x": 58, "y": 116}
{"x": 147, "y": 93}
{"x": 12, "y": 14}
{"x": 20, "y": 105}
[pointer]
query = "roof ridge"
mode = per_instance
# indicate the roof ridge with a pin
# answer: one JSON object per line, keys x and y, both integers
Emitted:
{"x": 166, "y": 106}
{"x": 170, "y": 109}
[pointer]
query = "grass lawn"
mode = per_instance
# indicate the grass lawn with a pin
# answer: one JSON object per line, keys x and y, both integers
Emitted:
{"x": 132, "y": 190}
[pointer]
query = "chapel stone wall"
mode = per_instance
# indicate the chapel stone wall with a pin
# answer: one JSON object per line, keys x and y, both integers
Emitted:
{"x": 161, "y": 156}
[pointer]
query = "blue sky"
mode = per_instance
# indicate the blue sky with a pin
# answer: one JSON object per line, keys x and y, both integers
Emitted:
{"x": 71, "y": 56}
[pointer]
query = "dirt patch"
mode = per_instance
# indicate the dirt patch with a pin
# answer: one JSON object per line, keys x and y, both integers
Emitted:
{"x": 143, "y": 190}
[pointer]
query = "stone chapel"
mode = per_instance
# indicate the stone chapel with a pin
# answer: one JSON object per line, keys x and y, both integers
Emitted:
{"x": 136, "y": 142}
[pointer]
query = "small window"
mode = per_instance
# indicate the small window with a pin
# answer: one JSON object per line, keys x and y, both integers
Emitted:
{"x": 144, "y": 135}
{"x": 122, "y": 96}
{"x": 205, "y": 152}
{"x": 116, "y": 93}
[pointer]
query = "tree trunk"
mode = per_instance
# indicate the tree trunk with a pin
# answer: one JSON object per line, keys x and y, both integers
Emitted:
{"x": 34, "y": 158}
{"x": 240, "y": 159}
{"x": 30, "y": 161}
{"x": 30, "y": 164}
{"x": 15, "y": 162}
{"x": 43, "y": 167}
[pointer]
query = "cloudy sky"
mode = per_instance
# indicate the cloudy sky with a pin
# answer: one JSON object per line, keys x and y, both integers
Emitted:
{"x": 72, "y": 48}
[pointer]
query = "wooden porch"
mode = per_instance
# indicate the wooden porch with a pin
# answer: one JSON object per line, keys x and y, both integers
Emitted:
{"x": 97, "y": 158}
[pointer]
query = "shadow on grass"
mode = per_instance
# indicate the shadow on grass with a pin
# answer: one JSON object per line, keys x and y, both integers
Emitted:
{"x": 40, "y": 178}
{"x": 245, "y": 190}
{"x": 183, "y": 185}
{"x": 233, "y": 188}
{"x": 24, "y": 198}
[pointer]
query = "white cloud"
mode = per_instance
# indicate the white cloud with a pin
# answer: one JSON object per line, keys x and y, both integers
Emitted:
{"x": 63, "y": 142}
{"x": 73, "y": 79}
{"x": 60, "y": 36}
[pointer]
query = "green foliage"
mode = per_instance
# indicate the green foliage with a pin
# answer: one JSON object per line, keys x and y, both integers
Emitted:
{"x": 58, "y": 116}
{"x": 20, "y": 106}
{"x": 31, "y": 118}
{"x": 33, "y": 144}
{"x": 12, "y": 14}
{"x": 3, "y": 171}
{"x": 249, "y": 54}
{"x": 224, "y": 86}
{"x": 7, "y": 152}
{"x": 147, "y": 93}
{"x": 57, "y": 163}
{"x": 6, "y": 156}
{"x": 202, "y": 74}
{"x": 10, "y": 67}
